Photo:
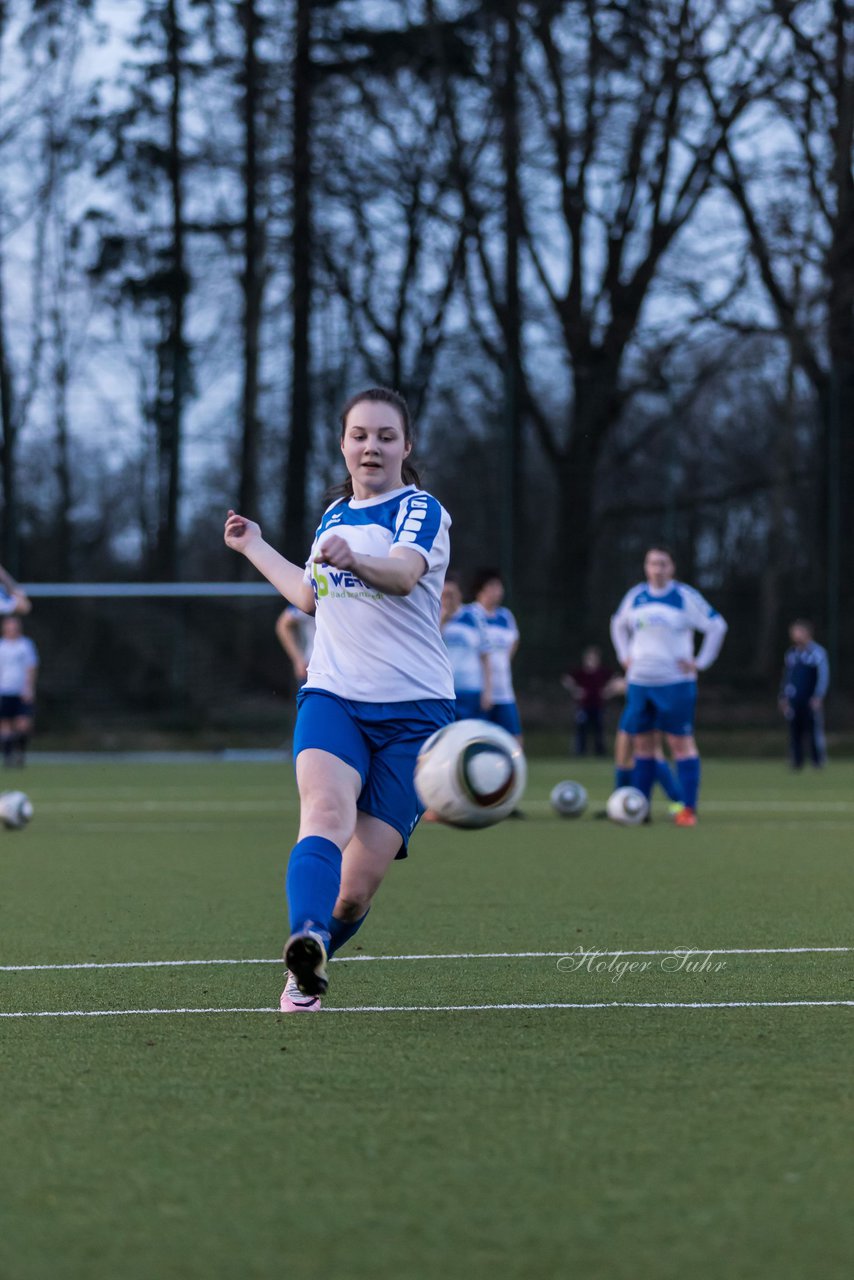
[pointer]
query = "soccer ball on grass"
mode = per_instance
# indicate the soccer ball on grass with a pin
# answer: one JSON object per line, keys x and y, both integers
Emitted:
{"x": 627, "y": 806}
{"x": 471, "y": 773}
{"x": 15, "y": 810}
{"x": 569, "y": 799}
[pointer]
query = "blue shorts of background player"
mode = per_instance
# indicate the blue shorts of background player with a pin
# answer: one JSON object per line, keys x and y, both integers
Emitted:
{"x": 381, "y": 741}
{"x": 467, "y": 705}
{"x": 669, "y": 707}
{"x": 505, "y": 714}
{"x": 13, "y": 707}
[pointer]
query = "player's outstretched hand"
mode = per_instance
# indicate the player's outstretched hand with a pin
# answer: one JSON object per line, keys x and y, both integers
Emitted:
{"x": 338, "y": 552}
{"x": 239, "y": 531}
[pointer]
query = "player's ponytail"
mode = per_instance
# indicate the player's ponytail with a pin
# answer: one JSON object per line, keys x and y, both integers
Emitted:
{"x": 377, "y": 395}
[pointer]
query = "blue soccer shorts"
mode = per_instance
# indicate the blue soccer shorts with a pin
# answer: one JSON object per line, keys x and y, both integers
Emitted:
{"x": 505, "y": 714}
{"x": 381, "y": 741}
{"x": 467, "y": 705}
{"x": 669, "y": 707}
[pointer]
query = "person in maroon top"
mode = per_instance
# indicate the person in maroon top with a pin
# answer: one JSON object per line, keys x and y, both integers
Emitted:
{"x": 590, "y": 685}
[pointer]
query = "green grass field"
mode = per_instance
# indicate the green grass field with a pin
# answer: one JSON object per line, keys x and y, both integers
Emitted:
{"x": 669, "y": 1120}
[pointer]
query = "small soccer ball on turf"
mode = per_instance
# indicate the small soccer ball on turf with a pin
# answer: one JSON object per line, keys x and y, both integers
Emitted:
{"x": 15, "y": 810}
{"x": 471, "y": 773}
{"x": 627, "y": 806}
{"x": 569, "y": 799}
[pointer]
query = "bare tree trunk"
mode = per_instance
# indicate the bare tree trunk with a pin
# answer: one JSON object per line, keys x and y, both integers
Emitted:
{"x": 174, "y": 358}
{"x": 513, "y": 488}
{"x": 9, "y": 519}
{"x": 299, "y": 445}
{"x": 62, "y": 465}
{"x": 253, "y": 271}
{"x": 766, "y": 649}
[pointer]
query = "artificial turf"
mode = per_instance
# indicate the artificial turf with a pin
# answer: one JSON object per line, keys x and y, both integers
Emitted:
{"x": 619, "y": 1141}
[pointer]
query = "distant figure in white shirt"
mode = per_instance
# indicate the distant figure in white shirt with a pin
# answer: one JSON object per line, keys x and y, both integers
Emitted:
{"x": 19, "y": 665}
{"x": 653, "y": 634}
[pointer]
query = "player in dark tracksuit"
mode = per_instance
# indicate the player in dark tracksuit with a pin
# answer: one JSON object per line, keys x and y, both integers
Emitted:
{"x": 806, "y": 675}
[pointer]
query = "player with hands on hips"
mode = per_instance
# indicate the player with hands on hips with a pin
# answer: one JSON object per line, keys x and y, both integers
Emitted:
{"x": 379, "y": 682}
{"x": 653, "y": 635}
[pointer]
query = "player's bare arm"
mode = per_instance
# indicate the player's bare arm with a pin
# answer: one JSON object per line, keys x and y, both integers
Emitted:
{"x": 287, "y": 633}
{"x": 244, "y": 536}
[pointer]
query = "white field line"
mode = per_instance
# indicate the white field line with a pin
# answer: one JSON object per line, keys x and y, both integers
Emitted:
{"x": 450, "y": 955}
{"x": 268, "y": 804}
{"x": 451, "y": 1008}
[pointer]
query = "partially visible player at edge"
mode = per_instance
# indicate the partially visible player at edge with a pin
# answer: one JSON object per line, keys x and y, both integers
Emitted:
{"x": 12, "y": 598}
{"x": 295, "y": 633}
{"x": 488, "y": 592}
{"x": 19, "y": 666}
{"x": 467, "y": 641}
{"x": 379, "y": 681}
{"x": 653, "y": 634}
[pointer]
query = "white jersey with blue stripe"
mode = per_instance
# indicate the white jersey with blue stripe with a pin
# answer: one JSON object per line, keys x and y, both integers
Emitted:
{"x": 653, "y": 630}
{"x": 467, "y": 641}
{"x": 371, "y": 647}
{"x": 503, "y": 638}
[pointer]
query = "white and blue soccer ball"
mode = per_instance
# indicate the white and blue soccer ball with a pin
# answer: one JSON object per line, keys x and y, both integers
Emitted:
{"x": 569, "y": 799}
{"x": 16, "y": 809}
{"x": 471, "y": 773}
{"x": 627, "y": 806}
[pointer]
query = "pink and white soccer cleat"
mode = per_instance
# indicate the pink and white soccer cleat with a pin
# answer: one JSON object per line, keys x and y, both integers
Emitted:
{"x": 293, "y": 1001}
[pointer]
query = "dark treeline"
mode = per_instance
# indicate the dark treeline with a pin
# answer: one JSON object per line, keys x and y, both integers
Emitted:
{"x": 606, "y": 250}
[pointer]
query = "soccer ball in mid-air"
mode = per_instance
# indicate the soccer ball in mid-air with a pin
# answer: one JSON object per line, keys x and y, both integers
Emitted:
{"x": 471, "y": 773}
{"x": 569, "y": 799}
{"x": 627, "y": 806}
{"x": 15, "y": 810}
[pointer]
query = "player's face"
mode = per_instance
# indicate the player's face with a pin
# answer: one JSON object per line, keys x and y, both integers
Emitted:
{"x": 374, "y": 447}
{"x": 491, "y": 593}
{"x": 11, "y": 628}
{"x": 452, "y": 598}
{"x": 799, "y": 636}
{"x": 658, "y": 568}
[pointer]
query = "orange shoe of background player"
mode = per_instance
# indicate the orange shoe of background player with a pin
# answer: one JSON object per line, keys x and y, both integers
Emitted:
{"x": 685, "y": 818}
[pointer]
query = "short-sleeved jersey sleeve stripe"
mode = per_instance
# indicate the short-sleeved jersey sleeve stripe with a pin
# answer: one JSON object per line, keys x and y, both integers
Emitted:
{"x": 418, "y": 522}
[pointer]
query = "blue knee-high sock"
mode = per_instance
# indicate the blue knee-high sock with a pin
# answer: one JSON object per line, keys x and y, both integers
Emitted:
{"x": 622, "y": 777}
{"x": 689, "y": 780}
{"x": 643, "y": 774}
{"x": 313, "y": 881}
{"x": 665, "y": 779}
{"x": 341, "y": 931}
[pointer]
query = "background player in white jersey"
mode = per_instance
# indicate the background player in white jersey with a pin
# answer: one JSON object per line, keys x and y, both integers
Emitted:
{"x": 488, "y": 592}
{"x": 19, "y": 665}
{"x": 467, "y": 642}
{"x": 295, "y": 633}
{"x": 379, "y": 681}
{"x": 653, "y": 634}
